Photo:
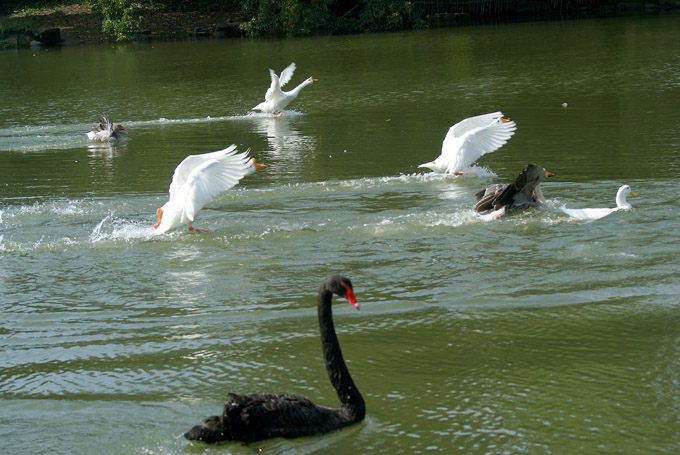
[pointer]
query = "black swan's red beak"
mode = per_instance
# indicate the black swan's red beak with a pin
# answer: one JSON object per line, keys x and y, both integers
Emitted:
{"x": 349, "y": 295}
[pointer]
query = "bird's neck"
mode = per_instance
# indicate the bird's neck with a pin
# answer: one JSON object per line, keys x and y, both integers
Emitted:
{"x": 622, "y": 202}
{"x": 338, "y": 373}
{"x": 297, "y": 89}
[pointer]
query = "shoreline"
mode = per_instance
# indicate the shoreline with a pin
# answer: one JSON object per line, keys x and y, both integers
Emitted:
{"x": 75, "y": 24}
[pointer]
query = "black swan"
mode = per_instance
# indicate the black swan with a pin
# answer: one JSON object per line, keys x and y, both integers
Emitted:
{"x": 525, "y": 192}
{"x": 258, "y": 416}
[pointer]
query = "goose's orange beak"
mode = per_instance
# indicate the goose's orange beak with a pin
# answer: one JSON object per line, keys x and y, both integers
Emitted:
{"x": 504, "y": 120}
{"x": 314, "y": 79}
{"x": 633, "y": 193}
{"x": 159, "y": 214}
{"x": 548, "y": 173}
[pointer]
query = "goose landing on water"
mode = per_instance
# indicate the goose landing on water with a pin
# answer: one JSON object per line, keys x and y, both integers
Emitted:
{"x": 197, "y": 180}
{"x": 275, "y": 99}
{"x": 469, "y": 139}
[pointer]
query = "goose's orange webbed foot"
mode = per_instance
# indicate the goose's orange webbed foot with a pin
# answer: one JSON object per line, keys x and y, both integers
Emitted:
{"x": 193, "y": 229}
{"x": 159, "y": 213}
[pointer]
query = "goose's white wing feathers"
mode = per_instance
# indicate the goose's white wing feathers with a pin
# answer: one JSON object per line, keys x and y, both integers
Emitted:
{"x": 208, "y": 175}
{"x": 463, "y": 150}
{"x": 287, "y": 74}
{"x": 471, "y": 123}
{"x": 191, "y": 162}
{"x": 275, "y": 87}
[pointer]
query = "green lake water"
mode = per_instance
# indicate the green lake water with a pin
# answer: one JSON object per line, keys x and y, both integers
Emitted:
{"x": 529, "y": 335}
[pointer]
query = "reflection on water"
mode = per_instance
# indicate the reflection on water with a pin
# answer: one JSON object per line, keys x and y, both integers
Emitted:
{"x": 104, "y": 152}
{"x": 288, "y": 150}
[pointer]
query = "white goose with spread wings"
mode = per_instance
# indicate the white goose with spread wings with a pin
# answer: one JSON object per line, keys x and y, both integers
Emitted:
{"x": 275, "y": 99}
{"x": 469, "y": 139}
{"x": 197, "y": 180}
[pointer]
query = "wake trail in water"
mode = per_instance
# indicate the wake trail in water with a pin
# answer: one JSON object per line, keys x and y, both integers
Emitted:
{"x": 32, "y": 138}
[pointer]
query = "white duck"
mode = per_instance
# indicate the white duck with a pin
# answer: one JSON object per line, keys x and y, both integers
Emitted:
{"x": 597, "y": 213}
{"x": 197, "y": 180}
{"x": 469, "y": 139}
{"x": 106, "y": 131}
{"x": 275, "y": 100}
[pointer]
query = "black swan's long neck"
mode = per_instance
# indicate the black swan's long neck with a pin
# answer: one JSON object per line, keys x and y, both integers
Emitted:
{"x": 349, "y": 395}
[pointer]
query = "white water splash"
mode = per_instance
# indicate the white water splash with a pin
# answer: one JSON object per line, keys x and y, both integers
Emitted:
{"x": 114, "y": 228}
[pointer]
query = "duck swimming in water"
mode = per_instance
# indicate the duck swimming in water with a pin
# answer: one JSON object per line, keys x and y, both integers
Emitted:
{"x": 589, "y": 214}
{"x": 106, "y": 131}
{"x": 524, "y": 192}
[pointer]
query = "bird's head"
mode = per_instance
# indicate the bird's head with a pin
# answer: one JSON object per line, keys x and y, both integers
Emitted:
{"x": 534, "y": 172}
{"x": 627, "y": 190}
{"x": 342, "y": 286}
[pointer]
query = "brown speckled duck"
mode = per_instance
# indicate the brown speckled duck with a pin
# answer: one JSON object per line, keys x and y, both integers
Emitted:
{"x": 106, "y": 131}
{"x": 500, "y": 198}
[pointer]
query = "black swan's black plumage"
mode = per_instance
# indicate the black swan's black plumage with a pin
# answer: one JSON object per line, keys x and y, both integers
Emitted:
{"x": 518, "y": 195}
{"x": 258, "y": 416}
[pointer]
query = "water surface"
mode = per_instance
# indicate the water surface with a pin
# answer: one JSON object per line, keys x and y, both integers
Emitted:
{"x": 532, "y": 334}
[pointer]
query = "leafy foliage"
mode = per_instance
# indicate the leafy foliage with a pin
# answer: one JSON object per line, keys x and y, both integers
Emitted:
{"x": 289, "y": 17}
{"x": 16, "y": 25}
{"x": 120, "y": 18}
{"x": 302, "y": 17}
{"x": 380, "y": 15}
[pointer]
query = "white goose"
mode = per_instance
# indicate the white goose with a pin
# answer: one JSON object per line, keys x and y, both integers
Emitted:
{"x": 275, "y": 100}
{"x": 197, "y": 180}
{"x": 469, "y": 139}
{"x": 597, "y": 213}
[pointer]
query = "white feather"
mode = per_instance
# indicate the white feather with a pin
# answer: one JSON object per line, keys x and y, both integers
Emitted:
{"x": 275, "y": 99}
{"x": 469, "y": 139}
{"x": 197, "y": 180}
{"x": 287, "y": 74}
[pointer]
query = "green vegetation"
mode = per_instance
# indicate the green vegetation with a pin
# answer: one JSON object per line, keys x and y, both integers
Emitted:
{"x": 120, "y": 18}
{"x": 15, "y": 25}
{"x": 301, "y": 17}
